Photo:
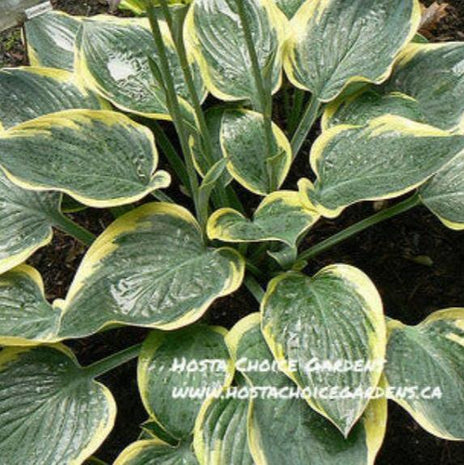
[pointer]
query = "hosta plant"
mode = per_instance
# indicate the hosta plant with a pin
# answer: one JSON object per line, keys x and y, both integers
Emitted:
{"x": 222, "y": 95}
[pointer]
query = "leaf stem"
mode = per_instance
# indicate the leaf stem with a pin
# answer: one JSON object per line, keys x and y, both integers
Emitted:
{"x": 162, "y": 197}
{"x": 175, "y": 161}
{"x": 298, "y": 101}
{"x": 253, "y": 269}
{"x": 254, "y": 287}
{"x": 258, "y": 252}
{"x": 356, "y": 228}
{"x": 263, "y": 99}
{"x": 234, "y": 200}
{"x": 113, "y": 361}
{"x": 307, "y": 121}
{"x": 174, "y": 107}
{"x": 187, "y": 72}
{"x": 68, "y": 226}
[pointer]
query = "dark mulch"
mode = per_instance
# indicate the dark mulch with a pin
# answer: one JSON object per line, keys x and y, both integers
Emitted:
{"x": 416, "y": 263}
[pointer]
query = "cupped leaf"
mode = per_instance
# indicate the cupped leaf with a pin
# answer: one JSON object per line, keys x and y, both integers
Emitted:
{"x": 156, "y": 452}
{"x": 243, "y": 142}
{"x": 51, "y": 411}
{"x": 25, "y": 222}
{"x": 279, "y": 217}
{"x": 328, "y": 332}
{"x": 383, "y": 159}
{"x": 428, "y": 359}
{"x": 337, "y": 42}
{"x": 221, "y": 436}
{"x": 213, "y": 117}
{"x": 193, "y": 359}
{"x": 27, "y": 93}
{"x": 50, "y": 39}
{"x": 149, "y": 268}
{"x": 361, "y": 107}
{"x": 113, "y": 59}
{"x": 25, "y": 316}
{"x": 427, "y": 85}
{"x": 444, "y": 194}
{"x": 434, "y": 75}
{"x": 285, "y": 255}
{"x": 100, "y": 158}
{"x": 282, "y": 427}
{"x": 214, "y": 29}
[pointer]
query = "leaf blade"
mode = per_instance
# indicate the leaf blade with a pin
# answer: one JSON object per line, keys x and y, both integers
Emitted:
{"x": 145, "y": 254}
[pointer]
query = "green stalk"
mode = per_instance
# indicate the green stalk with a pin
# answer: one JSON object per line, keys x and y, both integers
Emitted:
{"x": 175, "y": 161}
{"x": 253, "y": 269}
{"x": 254, "y": 287}
{"x": 174, "y": 109}
{"x": 263, "y": 102}
{"x": 187, "y": 72}
{"x": 113, "y": 361}
{"x": 295, "y": 113}
{"x": 307, "y": 121}
{"x": 259, "y": 251}
{"x": 234, "y": 200}
{"x": 162, "y": 197}
{"x": 356, "y": 228}
{"x": 68, "y": 226}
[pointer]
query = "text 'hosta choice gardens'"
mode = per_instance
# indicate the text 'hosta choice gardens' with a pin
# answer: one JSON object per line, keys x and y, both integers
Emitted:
{"x": 190, "y": 124}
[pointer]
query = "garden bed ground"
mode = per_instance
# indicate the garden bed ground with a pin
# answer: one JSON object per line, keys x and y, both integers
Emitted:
{"x": 416, "y": 263}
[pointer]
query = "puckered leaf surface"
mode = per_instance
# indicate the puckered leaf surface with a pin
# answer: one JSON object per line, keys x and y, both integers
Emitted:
{"x": 430, "y": 356}
{"x": 243, "y": 142}
{"x": 433, "y": 74}
{"x": 214, "y": 29}
{"x": 444, "y": 193}
{"x": 51, "y": 38}
{"x": 29, "y": 92}
{"x": 213, "y": 118}
{"x": 164, "y": 367}
{"x": 368, "y": 104}
{"x": 26, "y": 218}
{"x": 336, "y": 42}
{"x": 149, "y": 268}
{"x": 25, "y": 316}
{"x": 383, "y": 159}
{"x": 221, "y": 432}
{"x": 112, "y": 59}
{"x": 427, "y": 85}
{"x": 100, "y": 158}
{"x": 51, "y": 412}
{"x": 279, "y": 217}
{"x": 283, "y": 428}
{"x": 335, "y": 317}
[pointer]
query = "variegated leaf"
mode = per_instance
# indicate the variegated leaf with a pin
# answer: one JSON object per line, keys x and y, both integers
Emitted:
{"x": 428, "y": 360}
{"x": 337, "y": 42}
{"x": 100, "y": 158}
{"x": 149, "y": 268}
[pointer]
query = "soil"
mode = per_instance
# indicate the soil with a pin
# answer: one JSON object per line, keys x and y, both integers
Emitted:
{"x": 416, "y": 263}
